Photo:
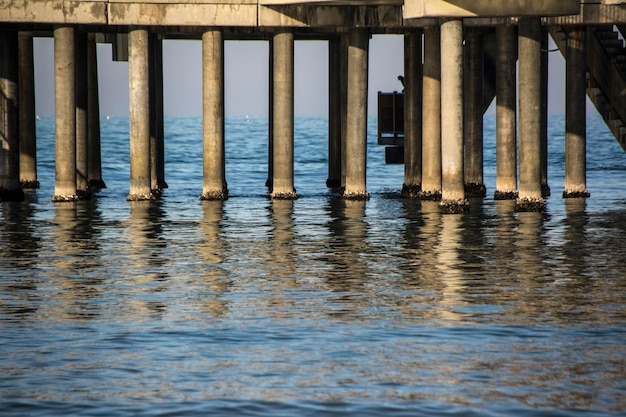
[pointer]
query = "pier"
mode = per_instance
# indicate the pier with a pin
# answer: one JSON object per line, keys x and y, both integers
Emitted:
{"x": 459, "y": 56}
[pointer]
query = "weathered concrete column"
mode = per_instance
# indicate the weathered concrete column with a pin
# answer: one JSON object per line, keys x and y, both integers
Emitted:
{"x": 139, "y": 101}
{"x": 214, "y": 166}
{"x": 334, "y": 113}
{"x": 575, "y": 115}
{"x": 270, "y": 117}
{"x": 65, "y": 108}
{"x": 10, "y": 189}
{"x": 343, "y": 70}
{"x": 94, "y": 164}
{"x": 545, "y": 188}
{"x": 160, "y": 115}
{"x": 431, "y": 116}
{"x": 152, "y": 82}
{"x": 506, "y": 113}
{"x": 82, "y": 169}
{"x": 356, "y": 126}
{"x": 283, "y": 87}
{"x": 529, "y": 131}
{"x": 452, "y": 182}
{"x": 412, "y": 114}
{"x": 27, "y": 118}
{"x": 157, "y": 145}
{"x": 474, "y": 56}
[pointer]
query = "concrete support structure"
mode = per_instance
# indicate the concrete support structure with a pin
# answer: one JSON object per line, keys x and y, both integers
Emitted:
{"x": 81, "y": 100}
{"x": 65, "y": 107}
{"x": 27, "y": 122}
{"x": 529, "y": 79}
{"x": 431, "y": 116}
{"x": 575, "y": 115}
{"x": 443, "y": 151}
{"x": 356, "y": 127}
{"x": 152, "y": 112}
{"x": 334, "y": 113}
{"x": 139, "y": 102}
{"x": 283, "y": 99}
{"x": 545, "y": 188}
{"x": 452, "y": 182}
{"x": 157, "y": 145}
{"x": 270, "y": 117}
{"x": 10, "y": 189}
{"x": 94, "y": 164}
{"x": 473, "y": 98}
{"x": 412, "y": 114}
{"x": 506, "y": 114}
{"x": 214, "y": 166}
{"x": 343, "y": 73}
{"x": 160, "y": 116}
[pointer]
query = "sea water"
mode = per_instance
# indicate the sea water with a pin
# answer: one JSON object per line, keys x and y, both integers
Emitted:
{"x": 319, "y": 306}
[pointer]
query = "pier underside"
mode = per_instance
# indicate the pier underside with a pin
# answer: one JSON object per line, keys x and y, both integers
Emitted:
{"x": 475, "y": 51}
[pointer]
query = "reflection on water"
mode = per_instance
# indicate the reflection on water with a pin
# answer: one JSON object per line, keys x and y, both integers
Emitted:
{"x": 317, "y": 306}
{"x": 313, "y": 300}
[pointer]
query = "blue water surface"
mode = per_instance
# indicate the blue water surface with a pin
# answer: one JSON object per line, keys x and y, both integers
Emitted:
{"x": 312, "y": 307}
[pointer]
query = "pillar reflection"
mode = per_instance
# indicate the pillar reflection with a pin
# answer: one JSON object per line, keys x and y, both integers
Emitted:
{"x": 215, "y": 281}
{"x": 145, "y": 257}
{"x": 502, "y": 269}
{"x": 449, "y": 268}
{"x": 21, "y": 247}
{"x": 348, "y": 271}
{"x": 18, "y": 238}
{"x": 282, "y": 255}
{"x": 576, "y": 247}
{"x": 529, "y": 268}
{"x": 76, "y": 255}
{"x": 430, "y": 235}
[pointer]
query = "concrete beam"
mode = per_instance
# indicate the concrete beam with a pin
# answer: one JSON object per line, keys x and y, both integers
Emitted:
{"x": 333, "y": 2}
{"x": 414, "y": 9}
{"x": 53, "y": 11}
{"x": 330, "y": 16}
{"x": 592, "y": 14}
{"x": 182, "y": 13}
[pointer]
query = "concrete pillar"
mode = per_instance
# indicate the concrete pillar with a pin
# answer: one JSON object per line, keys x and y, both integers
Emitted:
{"x": 506, "y": 113}
{"x": 343, "y": 71}
{"x": 334, "y": 113}
{"x": 214, "y": 172}
{"x": 474, "y": 57}
{"x": 412, "y": 114}
{"x": 10, "y": 189}
{"x": 529, "y": 132}
{"x": 65, "y": 108}
{"x": 575, "y": 115}
{"x": 157, "y": 151}
{"x": 81, "y": 100}
{"x": 283, "y": 87}
{"x": 160, "y": 115}
{"x": 545, "y": 188}
{"x": 27, "y": 118}
{"x": 356, "y": 126}
{"x": 94, "y": 164}
{"x": 139, "y": 101}
{"x": 270, "y": 118}
{"x": 452, "y": 182}
{"x": 431, "y": 116}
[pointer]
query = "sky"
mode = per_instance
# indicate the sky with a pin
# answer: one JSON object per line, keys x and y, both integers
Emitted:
{"x": 246, "y": 77}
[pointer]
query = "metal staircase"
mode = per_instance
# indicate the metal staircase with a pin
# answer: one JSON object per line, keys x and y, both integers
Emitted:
{"x": 606, "y": 73}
